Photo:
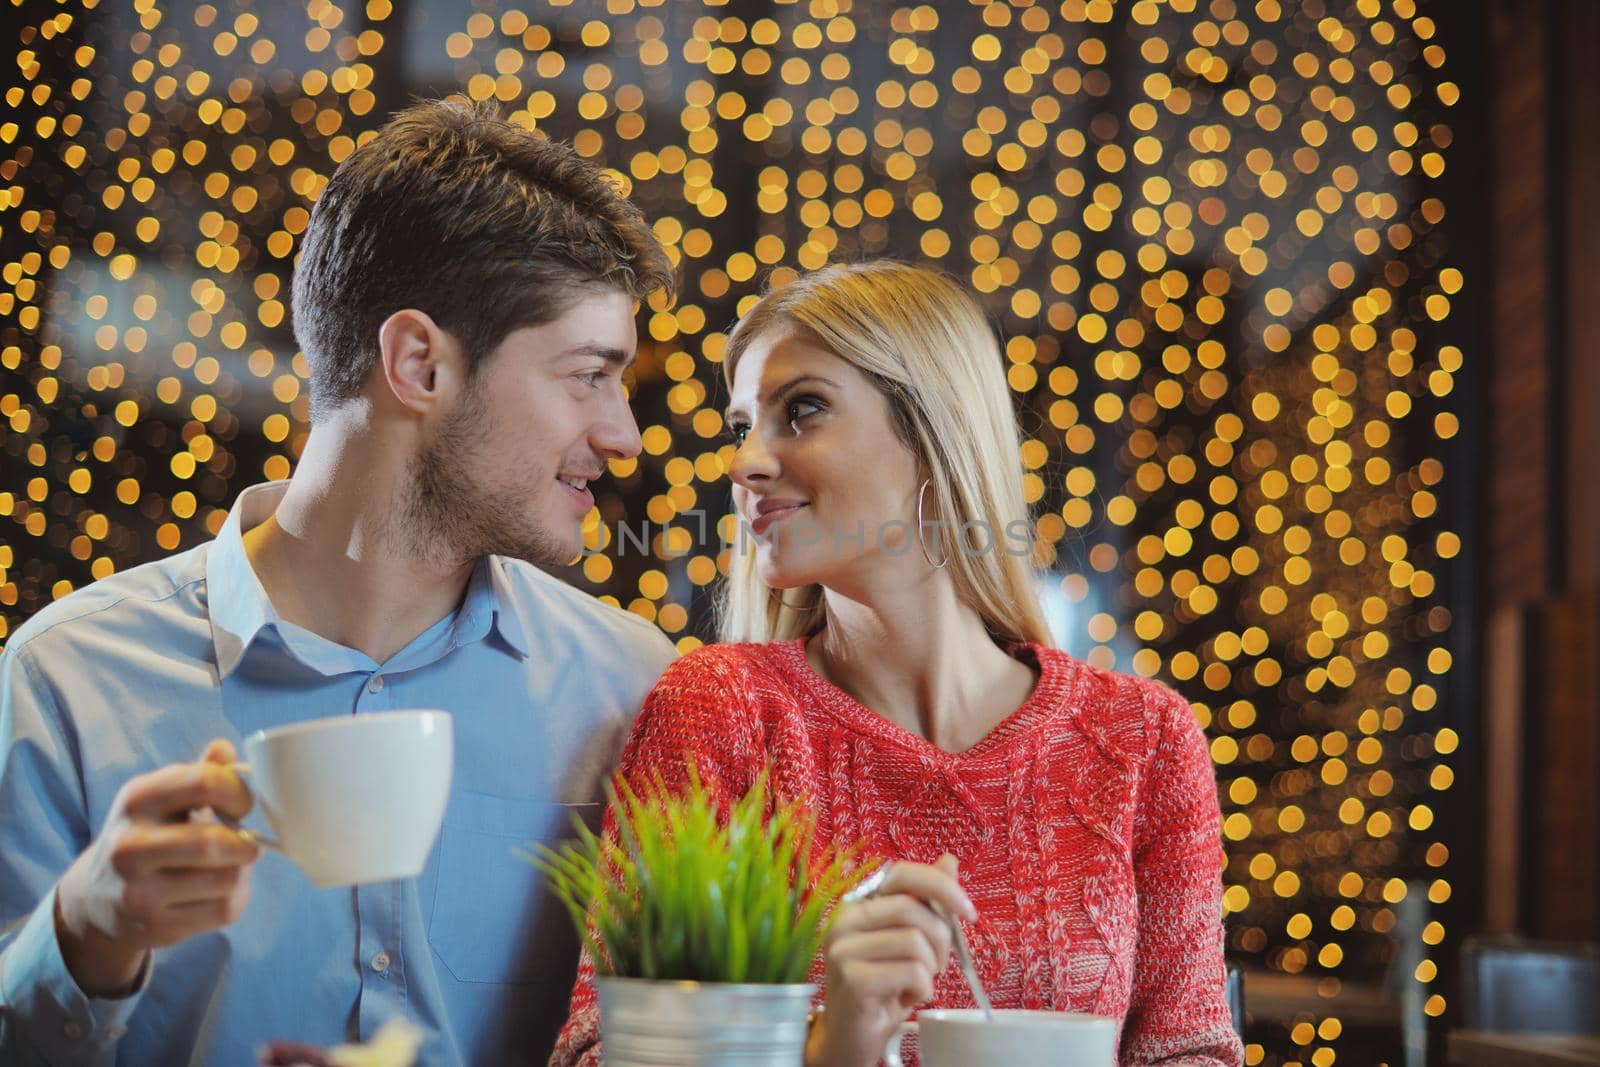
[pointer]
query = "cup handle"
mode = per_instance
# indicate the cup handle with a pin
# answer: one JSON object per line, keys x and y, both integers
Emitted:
{"x": 243, "y": 771}
{"x": 891, "y": 1052}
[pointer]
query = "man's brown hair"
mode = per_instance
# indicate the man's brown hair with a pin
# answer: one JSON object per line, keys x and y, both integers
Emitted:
{"x": 481, "y": 224}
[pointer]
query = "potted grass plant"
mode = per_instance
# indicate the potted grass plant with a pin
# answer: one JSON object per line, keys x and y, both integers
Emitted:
{"x": 702, "y": 923}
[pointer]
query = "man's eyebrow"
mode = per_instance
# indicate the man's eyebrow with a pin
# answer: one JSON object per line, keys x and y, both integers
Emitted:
{"x": 785, "y": 389}
{"x": 613, "y": 356}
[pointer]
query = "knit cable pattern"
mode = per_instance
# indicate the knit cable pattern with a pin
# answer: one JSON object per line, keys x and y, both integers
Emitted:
{"x": 1086, "y": 825}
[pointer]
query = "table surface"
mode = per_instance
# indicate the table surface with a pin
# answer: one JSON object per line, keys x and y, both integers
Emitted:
{"x": 1495, "y": 1048}
{"x": 1285, "y": 997}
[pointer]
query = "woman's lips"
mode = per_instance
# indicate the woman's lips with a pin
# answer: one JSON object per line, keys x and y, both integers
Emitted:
{"x": 768, "y": 516}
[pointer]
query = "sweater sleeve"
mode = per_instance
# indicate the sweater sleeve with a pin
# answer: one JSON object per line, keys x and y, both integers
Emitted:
{"x": 1178, "y": 1012}
{"x": 699, "y": 710}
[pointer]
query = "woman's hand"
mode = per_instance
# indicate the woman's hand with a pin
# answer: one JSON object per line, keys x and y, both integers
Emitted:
{"x": 882, "y": 955}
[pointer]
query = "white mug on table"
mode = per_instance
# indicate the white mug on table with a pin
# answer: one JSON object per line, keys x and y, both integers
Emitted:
{"x": 354, "y": 798}
{"x": 965, "y": 1038}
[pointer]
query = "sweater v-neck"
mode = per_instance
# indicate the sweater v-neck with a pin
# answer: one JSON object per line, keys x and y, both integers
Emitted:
{"x": 1048, "y": 695}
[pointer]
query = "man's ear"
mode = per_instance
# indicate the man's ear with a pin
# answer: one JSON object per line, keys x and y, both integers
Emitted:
{"x": 421, "y": 364}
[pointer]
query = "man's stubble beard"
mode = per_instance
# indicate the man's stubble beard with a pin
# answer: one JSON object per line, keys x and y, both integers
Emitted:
{"x": 452, "y": 516}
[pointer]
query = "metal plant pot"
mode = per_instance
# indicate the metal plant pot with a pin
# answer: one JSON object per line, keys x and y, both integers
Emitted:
{"x": 646, "y": 1023}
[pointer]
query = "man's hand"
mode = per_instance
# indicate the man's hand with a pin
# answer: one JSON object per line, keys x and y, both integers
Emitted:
{"x": 162, "y": 870}
{"x": 289, "y": 1054}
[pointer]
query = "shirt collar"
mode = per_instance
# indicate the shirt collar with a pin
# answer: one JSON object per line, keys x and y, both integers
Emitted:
{"x": 497, "y": 590}
{"x": 239, "y": 607}
{"x": 237, "y": 604}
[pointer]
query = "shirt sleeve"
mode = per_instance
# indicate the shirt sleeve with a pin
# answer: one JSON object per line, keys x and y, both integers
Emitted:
{"x": 44, "y": 1016}
{"x": 695, "y": 712}
{"x": 1178, "y": 1012}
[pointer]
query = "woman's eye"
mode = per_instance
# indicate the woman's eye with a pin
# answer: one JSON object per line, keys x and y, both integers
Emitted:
{"x": 737, "y": 432}
{"x": 800, "y": 407}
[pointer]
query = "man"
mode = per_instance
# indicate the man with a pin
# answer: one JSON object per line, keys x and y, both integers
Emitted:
{"x": 465, "y": 297}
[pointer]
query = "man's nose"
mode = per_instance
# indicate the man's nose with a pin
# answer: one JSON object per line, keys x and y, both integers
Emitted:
{"x": 617, "y": 437}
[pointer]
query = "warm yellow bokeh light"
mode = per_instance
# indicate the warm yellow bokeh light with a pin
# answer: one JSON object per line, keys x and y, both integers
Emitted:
{"x": 1217, "y": 260}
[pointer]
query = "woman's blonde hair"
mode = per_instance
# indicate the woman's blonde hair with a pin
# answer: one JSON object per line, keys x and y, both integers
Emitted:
{"x": 924, "y": 341}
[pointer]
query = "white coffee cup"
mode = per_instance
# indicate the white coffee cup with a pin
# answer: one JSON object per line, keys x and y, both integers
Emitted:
{"x": 355, "y": 798}
{"x": 965, "y": 1038}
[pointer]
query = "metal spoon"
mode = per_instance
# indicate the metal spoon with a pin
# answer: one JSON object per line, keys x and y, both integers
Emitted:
{"x": 870, "y": 887}
{"x": 964, "y": 958}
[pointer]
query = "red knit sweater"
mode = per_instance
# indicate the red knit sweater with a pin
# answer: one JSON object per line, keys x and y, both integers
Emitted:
{"x": 1086, "y": 825}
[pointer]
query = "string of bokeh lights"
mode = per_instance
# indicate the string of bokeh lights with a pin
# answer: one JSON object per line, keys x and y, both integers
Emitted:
{"x": 1209, "y": 232}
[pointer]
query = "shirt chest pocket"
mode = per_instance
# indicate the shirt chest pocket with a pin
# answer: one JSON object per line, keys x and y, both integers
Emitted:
{"x": 493, "y": 921}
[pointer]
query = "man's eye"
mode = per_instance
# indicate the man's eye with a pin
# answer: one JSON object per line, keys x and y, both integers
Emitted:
{"x": 595, "y": 378}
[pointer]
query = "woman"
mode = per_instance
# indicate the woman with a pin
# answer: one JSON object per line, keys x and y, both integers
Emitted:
{"x": 887, "y": 656}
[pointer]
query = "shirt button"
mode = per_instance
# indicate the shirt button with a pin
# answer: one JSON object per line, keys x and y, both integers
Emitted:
{"x": 375, "y": 683}
{"x": 74, "y": 1030}
{"x": 380, "y": 962}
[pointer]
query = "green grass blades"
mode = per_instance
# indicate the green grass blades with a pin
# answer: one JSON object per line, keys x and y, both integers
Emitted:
{"x": 691, "y": 889}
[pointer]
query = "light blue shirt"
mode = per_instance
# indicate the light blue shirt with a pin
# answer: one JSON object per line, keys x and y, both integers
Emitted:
{"x": 142, "y": 669}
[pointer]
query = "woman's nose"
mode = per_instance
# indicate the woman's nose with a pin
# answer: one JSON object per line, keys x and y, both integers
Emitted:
{"x": 753, "y": 462}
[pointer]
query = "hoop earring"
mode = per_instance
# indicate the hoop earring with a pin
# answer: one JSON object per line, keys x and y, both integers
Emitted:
{"x": 921, "y": 493}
